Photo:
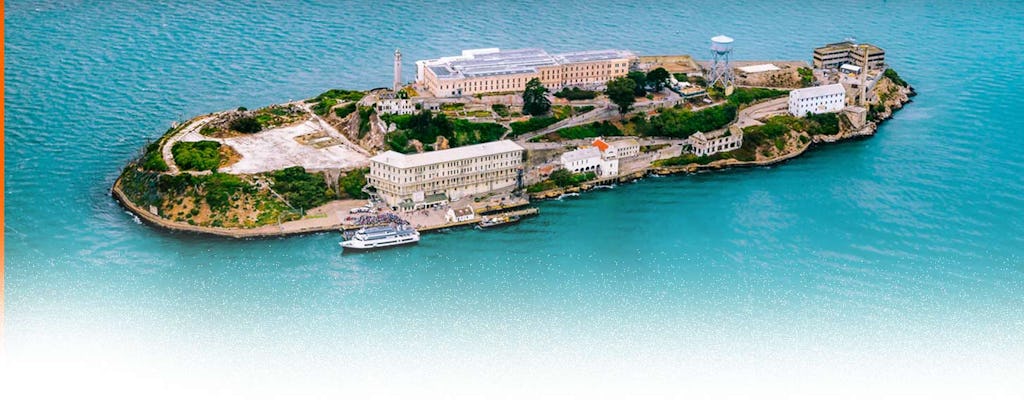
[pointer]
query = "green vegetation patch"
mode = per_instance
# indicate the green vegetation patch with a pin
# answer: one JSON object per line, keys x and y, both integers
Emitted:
{"x": 500, "y": 109}
{"x": 216, "y": 189}
{"x": 576, "y": 93}
{"x": 197, "y": 156}
{"x": 352, "y": 183}
{"x": 246, "y": 125}
{"x": 345, "y": 110}
{"x": 426, "y": 127}
{"x": 806, "y": 76}
{"x": 153, "y": 158}
{"x": 532, "y": 124}
{"x": 301, "y": 189}
{"x": 894, "y": 77}
{"x": 364, "y": 120}
{"x": 596, "y": 129}
{"x": 561, "y": 178}
{"x": 327, "y": 100}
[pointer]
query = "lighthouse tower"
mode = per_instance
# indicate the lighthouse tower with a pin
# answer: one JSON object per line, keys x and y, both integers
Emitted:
{"x": 398, "y": 70}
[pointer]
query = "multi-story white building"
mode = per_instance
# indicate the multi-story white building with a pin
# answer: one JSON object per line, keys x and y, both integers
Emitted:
{"x": 617, "y": 149}
{"x": 411, "y": 181}
{"x": 817, "y": 100}
{"x": 394, "y": 105}
{"x": 703, "y": 145}
{"x": 495, "y": 70}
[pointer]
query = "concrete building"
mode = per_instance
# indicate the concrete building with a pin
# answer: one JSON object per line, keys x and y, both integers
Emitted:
{"x": 706, "y": 145}
{"x": 412, "y": 181}
{"x": 834, "y": 55}
{"x": 494, "y": 70}
{"x": 817, "y": 100}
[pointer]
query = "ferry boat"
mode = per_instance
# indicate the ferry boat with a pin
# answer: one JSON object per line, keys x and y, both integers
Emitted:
{"x": 488, "y": 222}
{"x": 381, "y": 236}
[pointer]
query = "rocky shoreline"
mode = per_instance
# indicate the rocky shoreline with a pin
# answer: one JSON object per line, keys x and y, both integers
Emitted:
{"x": 868, "y": 130}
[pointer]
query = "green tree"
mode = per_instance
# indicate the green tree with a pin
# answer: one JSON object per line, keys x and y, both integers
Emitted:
{"x": 352, "y": 183}
{"x": 246, "y": 125}
{"x": 535, "y": 101}
{"x": 620, "y": 91}
{"x": 640, "y": 79}
{"x": 657, "y": 79}
{"x": 561, "y": 177}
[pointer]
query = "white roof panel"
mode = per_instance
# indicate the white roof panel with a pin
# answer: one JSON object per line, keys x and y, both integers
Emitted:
{"x": 399, "y": 160}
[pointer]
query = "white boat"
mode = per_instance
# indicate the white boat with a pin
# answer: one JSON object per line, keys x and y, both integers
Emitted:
{"x": 564, "y": 196}
{"x": 488, "y": 222}
{"x": 381, "y": 236}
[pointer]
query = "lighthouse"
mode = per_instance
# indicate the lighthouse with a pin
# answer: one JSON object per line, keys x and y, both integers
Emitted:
{"x": 398, "y": 70}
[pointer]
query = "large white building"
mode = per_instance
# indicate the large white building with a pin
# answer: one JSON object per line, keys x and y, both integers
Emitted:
{"x": 495, "y": 70}
{"x": 704, "y": 145}
{"x": 410, "y": 181}
{"x": 817, "y": 100}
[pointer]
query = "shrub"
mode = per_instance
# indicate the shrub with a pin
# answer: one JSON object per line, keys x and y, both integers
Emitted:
{"x": 352, "y": 183}
{"x": 894, "y": 77}
{"x": 576, "y": 93}
{"x": 603, "y": 128}
{"x": 345, "y": 110}
{"x": 532, "y": 124}
{"x": 246, "y": 125}
{"x": 199, "y": 156}
{"x": 500, "y": 109}
{"x": 301, "y": 189}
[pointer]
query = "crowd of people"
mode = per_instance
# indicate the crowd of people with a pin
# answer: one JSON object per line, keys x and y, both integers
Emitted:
{"x": 378, "y": 219}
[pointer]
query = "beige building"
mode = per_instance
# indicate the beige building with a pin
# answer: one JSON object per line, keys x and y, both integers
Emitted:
{"x": 411, "y": 181}
{"x": 494, "y": 70}
{"x": 705, "y": 145}
{"x": 834, "y": 55}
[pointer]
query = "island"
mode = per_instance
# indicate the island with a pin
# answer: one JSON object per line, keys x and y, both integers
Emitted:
{"x": 481, "y": 135}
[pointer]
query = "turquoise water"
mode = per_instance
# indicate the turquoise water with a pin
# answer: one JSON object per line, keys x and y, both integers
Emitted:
{"x": 888, "y": 265}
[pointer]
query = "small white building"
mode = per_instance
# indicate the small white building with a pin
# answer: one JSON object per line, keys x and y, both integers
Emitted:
{"x": 587, "y": 159}
{"x": 703, "y": 145}
{"x": 460, "y": 214}
{"x": 817, "y": 100}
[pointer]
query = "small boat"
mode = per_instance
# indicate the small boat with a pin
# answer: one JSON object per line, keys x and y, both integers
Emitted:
{"x": 604, "y": 187}
{"x": 379, "y": 237}
{"x": 564, "y": 196}
{"x": 488, "y": 222}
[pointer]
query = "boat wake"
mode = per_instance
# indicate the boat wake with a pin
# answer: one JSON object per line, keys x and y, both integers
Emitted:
{"x": 134, "y": 217}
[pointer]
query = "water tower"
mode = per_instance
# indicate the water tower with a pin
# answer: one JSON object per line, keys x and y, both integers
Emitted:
{"x": 721, "y": 70}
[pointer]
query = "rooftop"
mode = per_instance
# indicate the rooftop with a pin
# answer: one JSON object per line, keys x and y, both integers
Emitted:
{"x": 581, "y": 154}
{"x": 818, "y": 91}
{"x": 400, "y": 160}
{"x": 488, "y": 62}
{"x": 592, "y": 55}
{"x": 624, "y": 143}
{"x": 846, "y": 46}
{"x": 751, "y": 69}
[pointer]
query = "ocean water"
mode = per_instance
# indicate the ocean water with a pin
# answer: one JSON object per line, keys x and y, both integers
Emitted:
{"x": 886, "y": 267}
